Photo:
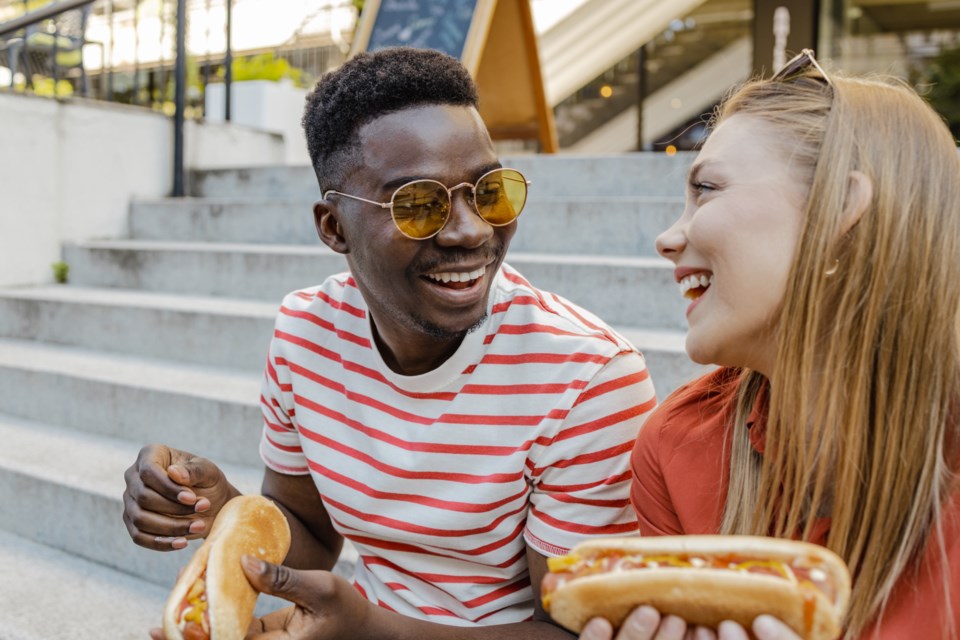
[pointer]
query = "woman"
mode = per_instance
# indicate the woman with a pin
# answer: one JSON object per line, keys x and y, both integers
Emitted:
{"x": 820, "y": 246}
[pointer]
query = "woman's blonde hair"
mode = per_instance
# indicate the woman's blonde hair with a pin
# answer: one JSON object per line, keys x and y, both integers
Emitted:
{"x": 863, "y": 416}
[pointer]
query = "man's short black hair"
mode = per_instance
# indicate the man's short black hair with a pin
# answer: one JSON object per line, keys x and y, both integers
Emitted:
{"x": 371, "y": 85}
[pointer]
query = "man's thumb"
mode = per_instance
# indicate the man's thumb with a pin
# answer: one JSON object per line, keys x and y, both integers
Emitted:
{"x": 273, "y": 579}
{"x": 193, "y": 472}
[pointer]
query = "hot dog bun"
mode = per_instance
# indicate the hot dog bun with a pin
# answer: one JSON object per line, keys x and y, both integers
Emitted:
{"x": 723, "y": 587}
{"x": 246, "y": 525}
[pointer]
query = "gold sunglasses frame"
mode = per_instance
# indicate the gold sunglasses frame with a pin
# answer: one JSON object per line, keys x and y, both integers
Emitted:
{"x": 449, "y": 190}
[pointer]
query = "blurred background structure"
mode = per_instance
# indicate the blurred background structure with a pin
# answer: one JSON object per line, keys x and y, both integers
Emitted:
{"x": 620, "y": 75}
{"x": 155, "y": 205}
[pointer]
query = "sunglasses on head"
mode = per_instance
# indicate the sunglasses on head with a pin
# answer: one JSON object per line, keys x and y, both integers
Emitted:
{"x": 798, "y": 64}
{"x": 421, "y": 208}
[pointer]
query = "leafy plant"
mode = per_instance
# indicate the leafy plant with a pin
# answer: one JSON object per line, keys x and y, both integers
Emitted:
{"x": 265, "y": 66}
{"x": 943, "y": 76}
{"x": 61, "y": 271}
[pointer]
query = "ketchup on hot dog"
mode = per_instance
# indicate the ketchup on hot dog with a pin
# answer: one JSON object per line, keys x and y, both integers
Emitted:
{"x": 566, "y": 568}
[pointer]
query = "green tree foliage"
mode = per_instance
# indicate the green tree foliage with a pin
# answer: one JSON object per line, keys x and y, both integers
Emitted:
{"x": 265, "y": 66}
{"x": 943, "y": 76}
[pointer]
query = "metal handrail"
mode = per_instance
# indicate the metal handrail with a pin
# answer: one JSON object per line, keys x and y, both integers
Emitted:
{"x": 56, "y": 8}
{"x": 179, "y": 84}
{"x": 41, "y": 14}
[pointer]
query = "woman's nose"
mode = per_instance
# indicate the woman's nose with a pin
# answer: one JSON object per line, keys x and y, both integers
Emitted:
{"x": 672, "y": 242}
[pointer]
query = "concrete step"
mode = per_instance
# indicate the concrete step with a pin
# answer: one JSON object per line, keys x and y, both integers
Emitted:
{"x": 63, "y": 488}
{"x": 140, "y": 400}
{"x": 626, "y": 174}
{"x": 207, "y": 331}
{"x": 280, "y": 181}
{"x": 666, "y": 357}
{"x": 624, "y": 225}
{"x": 211, "y": 332}
{"x": 631, "y": 291}
{"x": 233, "y": 220}
{"x": 249, "y": 271}
{"x": 147, "y": 400}
{"x": 47, "y": 594}
{"x": 643, "y": 174}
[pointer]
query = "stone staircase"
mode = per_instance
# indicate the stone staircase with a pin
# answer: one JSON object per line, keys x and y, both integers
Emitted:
{"x": 161, "y": 338}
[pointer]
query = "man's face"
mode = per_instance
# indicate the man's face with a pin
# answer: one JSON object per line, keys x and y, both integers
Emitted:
{"x": 434, "y": 289}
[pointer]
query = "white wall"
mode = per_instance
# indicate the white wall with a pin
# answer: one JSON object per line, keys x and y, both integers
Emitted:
{"x": 264, "y": 105}
{"x": 69, "y": 169}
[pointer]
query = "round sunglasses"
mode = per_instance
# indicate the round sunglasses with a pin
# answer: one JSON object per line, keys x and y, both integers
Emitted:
{"x": 421, "y": 208}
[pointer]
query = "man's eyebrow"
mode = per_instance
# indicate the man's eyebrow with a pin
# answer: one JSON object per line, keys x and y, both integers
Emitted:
{"x": 396, "y": 183}
{"x": 496, "y": 164}
{"x": 399, "y": 182}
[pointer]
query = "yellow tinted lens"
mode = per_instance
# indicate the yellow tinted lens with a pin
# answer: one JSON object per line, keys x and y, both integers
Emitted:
{"x": 420, "y": 208}
{"x": 500, "y": 196}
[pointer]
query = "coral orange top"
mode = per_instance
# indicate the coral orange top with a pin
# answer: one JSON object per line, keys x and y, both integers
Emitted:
{"x": 680, "y": 473}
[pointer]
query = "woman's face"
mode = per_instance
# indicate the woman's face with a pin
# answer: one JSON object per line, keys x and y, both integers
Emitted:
{"x": 734, "y": 244}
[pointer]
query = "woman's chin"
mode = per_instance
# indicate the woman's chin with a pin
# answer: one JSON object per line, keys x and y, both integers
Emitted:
{"x": 698, "y": 351}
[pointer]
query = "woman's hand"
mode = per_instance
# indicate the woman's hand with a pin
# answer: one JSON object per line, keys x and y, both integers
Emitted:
{"x": 645, "y": 623}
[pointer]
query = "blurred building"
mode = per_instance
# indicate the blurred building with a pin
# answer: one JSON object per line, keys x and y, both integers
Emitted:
{"x": 621, "y": 75}
{"x": 656, "y": 96}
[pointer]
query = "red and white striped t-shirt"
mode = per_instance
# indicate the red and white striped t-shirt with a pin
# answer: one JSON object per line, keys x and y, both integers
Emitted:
{"x": 439, "y": 480}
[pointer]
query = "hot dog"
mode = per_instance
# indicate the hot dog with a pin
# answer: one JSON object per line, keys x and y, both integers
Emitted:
{"x": 702, "y": 579}
{"x": 212, "y": 599}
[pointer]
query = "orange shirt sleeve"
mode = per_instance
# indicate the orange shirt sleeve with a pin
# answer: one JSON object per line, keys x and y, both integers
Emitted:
{"x": 678, "y": 463}
{"x": 648, "y": 489}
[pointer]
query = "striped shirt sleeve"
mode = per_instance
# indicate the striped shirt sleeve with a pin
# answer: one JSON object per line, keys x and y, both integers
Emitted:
{"x": 581, "y": 476}
{"x": 280, "y": 440}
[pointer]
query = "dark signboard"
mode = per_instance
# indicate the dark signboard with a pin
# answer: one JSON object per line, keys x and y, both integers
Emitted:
{"x": 424, "y": 24}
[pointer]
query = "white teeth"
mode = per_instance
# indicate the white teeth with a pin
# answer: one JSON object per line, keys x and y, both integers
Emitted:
{"x": 695, "y": 281}
{"x": 457, "y": 276}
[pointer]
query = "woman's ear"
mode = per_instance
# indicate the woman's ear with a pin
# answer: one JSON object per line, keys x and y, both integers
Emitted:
{"x": 326, "y": 218}
{"x": 857, "y": 200}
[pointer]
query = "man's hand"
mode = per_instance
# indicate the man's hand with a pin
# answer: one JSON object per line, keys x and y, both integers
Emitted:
{"x": 326, "y": 605}
{"x": 172, "y": 496}
{"x": 645, "y": 623}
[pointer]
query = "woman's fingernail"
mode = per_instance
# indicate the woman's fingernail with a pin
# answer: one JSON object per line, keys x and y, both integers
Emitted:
{"x": 187, "y": 497}
{"x": 197, "y": 526}
{"x": 765, "y": 626}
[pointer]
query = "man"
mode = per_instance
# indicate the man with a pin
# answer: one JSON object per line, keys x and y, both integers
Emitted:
{"x": 455, "y": 423}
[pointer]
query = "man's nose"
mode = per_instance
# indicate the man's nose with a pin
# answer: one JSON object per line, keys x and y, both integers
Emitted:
{"x": 465, "y": 227}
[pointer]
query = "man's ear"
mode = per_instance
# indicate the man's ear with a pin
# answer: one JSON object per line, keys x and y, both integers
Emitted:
{"x": 326, "y": 218}
{"x": 857, "y": 200}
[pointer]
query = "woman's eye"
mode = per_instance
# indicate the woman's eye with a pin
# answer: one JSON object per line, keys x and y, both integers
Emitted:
{"x": 701, "y": 187}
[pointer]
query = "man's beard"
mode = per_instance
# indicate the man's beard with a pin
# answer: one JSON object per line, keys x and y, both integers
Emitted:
{"x": 438, "y": 333}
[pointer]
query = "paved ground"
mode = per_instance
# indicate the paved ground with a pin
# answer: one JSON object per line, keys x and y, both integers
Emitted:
{"x": 100, "y": 603}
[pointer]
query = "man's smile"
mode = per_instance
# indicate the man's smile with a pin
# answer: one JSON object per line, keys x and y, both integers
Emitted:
{"x": 456, "y": 279}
